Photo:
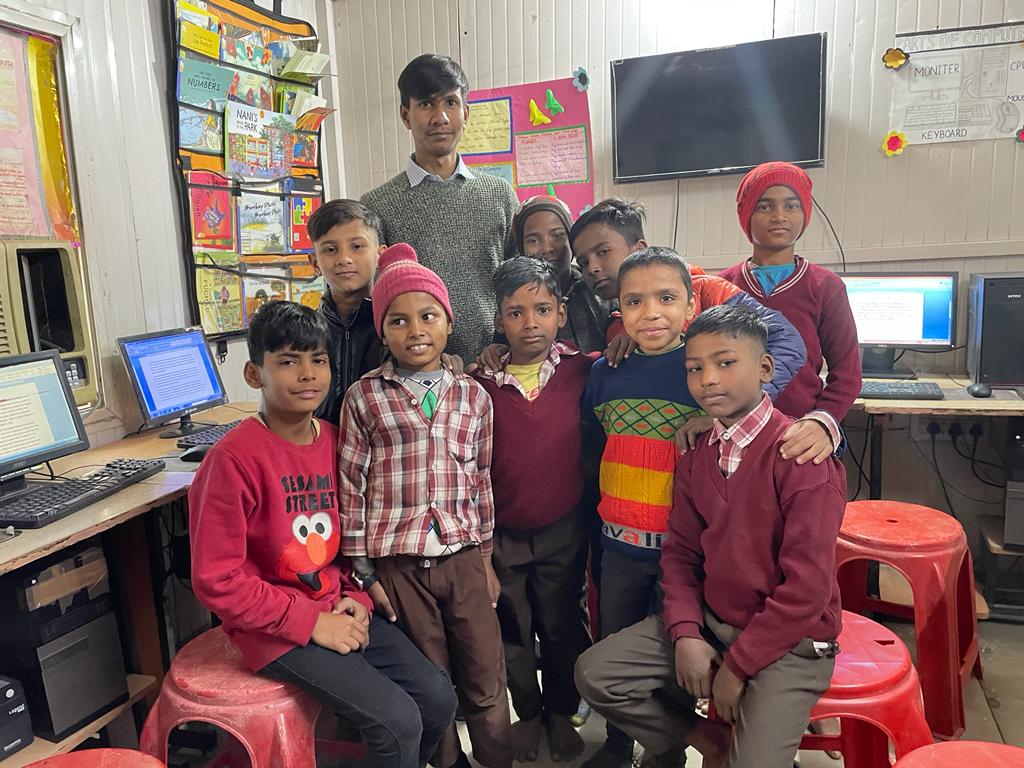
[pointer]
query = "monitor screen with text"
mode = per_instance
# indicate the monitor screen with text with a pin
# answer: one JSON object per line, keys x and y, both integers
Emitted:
{"x": 903, "y": 310}
{"x": 173, "y": 373}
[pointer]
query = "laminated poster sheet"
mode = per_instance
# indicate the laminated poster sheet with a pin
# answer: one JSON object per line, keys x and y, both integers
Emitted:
{"x": 535, "y": 136}
{"x": 960, "y": 84}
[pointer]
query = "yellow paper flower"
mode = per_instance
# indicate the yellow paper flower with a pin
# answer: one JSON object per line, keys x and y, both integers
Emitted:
{"x": 894, "y": 143}
{"x": 895, "y": 58}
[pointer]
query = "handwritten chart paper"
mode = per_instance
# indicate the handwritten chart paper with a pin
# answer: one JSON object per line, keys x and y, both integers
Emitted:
{"x": 501, "y": 139}
{"x": 960, "y": 84}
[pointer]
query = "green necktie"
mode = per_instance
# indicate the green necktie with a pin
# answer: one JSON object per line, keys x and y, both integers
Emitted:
{"x": 429, "y": 403}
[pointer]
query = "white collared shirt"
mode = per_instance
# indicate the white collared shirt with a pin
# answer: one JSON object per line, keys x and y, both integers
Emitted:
{"x": 416, "y": 174}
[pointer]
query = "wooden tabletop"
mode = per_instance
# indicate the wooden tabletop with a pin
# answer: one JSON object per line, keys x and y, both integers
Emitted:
{"x": 31, "y": 544}
{"x": 1003, "y": 402}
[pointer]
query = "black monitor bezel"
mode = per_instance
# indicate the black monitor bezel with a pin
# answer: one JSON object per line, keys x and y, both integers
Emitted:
{"x": 167, "y": 417}
{"x": 19, "y": 467}
{"x": 954, "y": 323}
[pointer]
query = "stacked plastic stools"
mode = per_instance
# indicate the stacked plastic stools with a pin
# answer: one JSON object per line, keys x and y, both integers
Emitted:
{"x": 930, "y": 549}
{"x": 964, "y": 754}
{"x": 99, "y": 758}
{"x": 273, "y": 721}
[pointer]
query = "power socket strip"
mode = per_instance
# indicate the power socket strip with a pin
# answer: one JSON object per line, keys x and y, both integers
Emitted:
{"x": 919, "y": 427}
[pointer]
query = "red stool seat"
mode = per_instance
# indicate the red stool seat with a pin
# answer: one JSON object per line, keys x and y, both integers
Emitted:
{"x": 930, "y": 549}
{"x": 964, "y": 754}
{"x": 273, "y": 721}
{"x": 99, "y": 758}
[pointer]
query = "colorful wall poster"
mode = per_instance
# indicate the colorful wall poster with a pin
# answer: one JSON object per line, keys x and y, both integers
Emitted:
{"x": 202, "y": 84}
{"x": 219, "y": 294}
{"x": 308, "y": 292}
{"x": 212, "y": 211}
{"x": 259, "y": 144}
{"x": 262, "y": 287}
{"x": 200, "y": 131}
{"x": 533, "y": 136}
{"x": 261, "y": 224}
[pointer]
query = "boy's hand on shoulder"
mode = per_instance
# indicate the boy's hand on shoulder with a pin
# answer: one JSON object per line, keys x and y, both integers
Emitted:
{"x": 806, "y": 440}
{"x": 353, "y": 608}
{"x": 619, "y": 349}
{"x": 695, "y": 662}
{"x": 453, "y": 364}
{"x": 493, "y": 585}
{"x": 686, "y": 435}
{"x": 490, "y": 358}
{"x": 381, "y": 601}
{"x": 340, "y": 632}
{"x": 726, "y": 693}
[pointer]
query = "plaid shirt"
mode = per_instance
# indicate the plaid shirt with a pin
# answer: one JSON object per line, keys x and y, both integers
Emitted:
{"x": 399, "y": 470}
{"x": 732, "y": 441}
{"x": 501, "y": 377}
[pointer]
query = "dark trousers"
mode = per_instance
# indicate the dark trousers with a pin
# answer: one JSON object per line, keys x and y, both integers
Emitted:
{"x": 629, "y": 593}
{"x": 399, "y": 702}
{"x": 446, "y": 610}
{"x": 542, "y": 572}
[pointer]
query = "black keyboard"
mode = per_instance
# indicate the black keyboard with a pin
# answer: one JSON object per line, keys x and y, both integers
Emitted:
{"x": 901, "y": 390}
{"x": 207, "y": 436}
{"x": 49, "y": 501}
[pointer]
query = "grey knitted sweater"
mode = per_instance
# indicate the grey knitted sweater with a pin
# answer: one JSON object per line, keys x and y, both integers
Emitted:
{"x": 461, "y": 229}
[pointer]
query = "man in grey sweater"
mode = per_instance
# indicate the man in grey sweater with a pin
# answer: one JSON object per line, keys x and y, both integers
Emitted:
{"x": 458, "y": 221}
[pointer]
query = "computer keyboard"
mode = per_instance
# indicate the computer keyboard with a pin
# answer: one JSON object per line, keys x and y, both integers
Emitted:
{"x": 901, "y": 390}
{"x": 207, "y": 436}
{"x": 49, "y": 501}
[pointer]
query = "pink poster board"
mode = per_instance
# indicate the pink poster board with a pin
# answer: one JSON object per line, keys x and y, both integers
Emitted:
{"x": 535, "y": 136}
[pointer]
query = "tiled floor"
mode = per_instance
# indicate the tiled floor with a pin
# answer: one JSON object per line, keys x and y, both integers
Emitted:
{"x": 994, "y": 706}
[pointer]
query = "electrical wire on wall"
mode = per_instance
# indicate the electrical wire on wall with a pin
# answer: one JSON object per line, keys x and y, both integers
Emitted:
{"x": 835, "y": 235}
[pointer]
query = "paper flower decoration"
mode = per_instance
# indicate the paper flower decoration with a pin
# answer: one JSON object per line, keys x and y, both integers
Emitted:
{"x": 1020, "y": 135}
{"x": 894, "y": 143}
{"x": 895, "y": 58}
{"x": 580, "y": 79}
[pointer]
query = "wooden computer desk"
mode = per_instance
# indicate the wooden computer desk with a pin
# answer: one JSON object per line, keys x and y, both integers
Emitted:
{"x": 122, "y": 515}
{"x": 957, "y": 403}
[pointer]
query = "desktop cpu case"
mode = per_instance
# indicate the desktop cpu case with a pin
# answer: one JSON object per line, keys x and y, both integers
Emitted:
{"x": 995, "y": 329}
{"x": 61, "y": 640}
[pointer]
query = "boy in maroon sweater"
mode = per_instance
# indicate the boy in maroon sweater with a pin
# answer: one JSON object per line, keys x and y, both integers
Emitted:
{"x": 774, "y": 206}
{"x": 748, "y": 573}
{"x": 540, "y": 546}
{"x": 263, "y": 519}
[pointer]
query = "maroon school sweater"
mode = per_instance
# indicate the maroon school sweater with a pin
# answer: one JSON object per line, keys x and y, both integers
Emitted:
{"x": 536, "y": 467}
{"x": 814, "y": 300}
{"x": 758, "y": 548}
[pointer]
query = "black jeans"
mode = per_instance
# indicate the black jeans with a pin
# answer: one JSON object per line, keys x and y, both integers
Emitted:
{"x": 398, "y": 701}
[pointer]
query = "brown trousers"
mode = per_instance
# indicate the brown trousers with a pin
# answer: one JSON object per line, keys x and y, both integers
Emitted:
{"x": 630, "y": 679}
{"x": 541, "y": 571}
{"x": 446, "y": 610}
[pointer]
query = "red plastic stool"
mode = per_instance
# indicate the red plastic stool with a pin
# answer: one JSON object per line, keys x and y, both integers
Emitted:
{"x": 930, "y": 549}
{"x": 273, "y": 721}
{"x": 962, "y": 754}
{"x": 99, "y": 758}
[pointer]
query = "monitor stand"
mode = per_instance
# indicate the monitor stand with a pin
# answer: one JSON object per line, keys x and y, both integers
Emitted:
{"x": 877, "y": 363}
{"x": 186, "y": 427}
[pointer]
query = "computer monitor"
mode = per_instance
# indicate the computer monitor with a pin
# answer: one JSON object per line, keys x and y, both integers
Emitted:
{"x": 900, "y": 311}
{"x": 39, "y": 419}
{"x": 174, "y": 376}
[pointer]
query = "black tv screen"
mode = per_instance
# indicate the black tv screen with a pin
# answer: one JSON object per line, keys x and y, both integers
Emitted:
{"x": 719, "y": 110}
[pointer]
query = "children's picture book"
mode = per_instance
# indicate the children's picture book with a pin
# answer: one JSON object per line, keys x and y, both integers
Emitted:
{"x": 308, "y": 292}
{"x": 258, "y": 143}
{"x": 219, "y": 295}
{"x": 201, "y": 39}
{"x": 202, "y": 84}
{"x": 251, "y": 88}
{"x": 305, "y": 101}
{"x": 200, "y": 131}
{"x": 197, "y": 13}
{"x": 305, "y": 152}
{"x": 213, "y": 221}
{"x": 262, "y": 287}
{"x": 261, "y": 224}
{"x": 301, "y": 207}
{"x": 245, "y": 53}
{"x": 285, "y": 94}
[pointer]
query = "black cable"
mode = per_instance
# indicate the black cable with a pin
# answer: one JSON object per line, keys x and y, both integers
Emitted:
{"x": 952, "y": 487}
{"x": 974, "y": 470}
{"x": 675, "y": 217}
{"x": 842, "y": 253}
{"x": 970, "y": 456}
{"x": 942, "y": 480}
{"x": 974, "y": 450}
{"x": 939, "y": 351}
{"x": 861, "y": 476}
{"x": 899, "y": 356}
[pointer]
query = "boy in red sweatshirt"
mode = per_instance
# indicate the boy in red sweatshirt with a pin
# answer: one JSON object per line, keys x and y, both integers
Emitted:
{"x": 773, "y": 202}
{"x": 540, "y": 544}
{"x": 263, "y": 519}
{"x": 748, "y": 572}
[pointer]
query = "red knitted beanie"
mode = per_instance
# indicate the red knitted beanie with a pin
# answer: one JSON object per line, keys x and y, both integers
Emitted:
{"x": 398, "y": 272}
{"x": 770, "y": 175}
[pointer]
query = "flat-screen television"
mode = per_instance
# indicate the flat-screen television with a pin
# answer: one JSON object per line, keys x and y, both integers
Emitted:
{"x": 719, "y": 110}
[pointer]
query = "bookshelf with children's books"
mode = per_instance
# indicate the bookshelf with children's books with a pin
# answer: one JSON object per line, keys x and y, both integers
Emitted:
{"x": 247, "y": 123}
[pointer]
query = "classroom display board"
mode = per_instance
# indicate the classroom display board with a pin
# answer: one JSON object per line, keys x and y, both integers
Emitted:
{"x": 958, "y": 84}
{"x": 247, "y": 119}
{"x": 535, "y": 136}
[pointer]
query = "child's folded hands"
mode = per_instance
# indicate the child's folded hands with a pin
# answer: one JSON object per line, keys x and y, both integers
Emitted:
{"x": 696, "y": 660}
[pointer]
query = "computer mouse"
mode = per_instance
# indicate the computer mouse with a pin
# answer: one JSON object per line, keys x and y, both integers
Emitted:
{"x": 1007, "y": 117}
{"x": 979, "y": 389}
{"x": 195, "y": 453}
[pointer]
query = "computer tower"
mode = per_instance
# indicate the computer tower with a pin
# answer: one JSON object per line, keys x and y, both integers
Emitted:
{"x": 1013, "y": 527}
{"x": 995, "y": 327}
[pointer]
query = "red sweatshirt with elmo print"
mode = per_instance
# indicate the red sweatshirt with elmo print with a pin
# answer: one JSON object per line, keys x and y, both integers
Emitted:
{"x": 263, "y": 520}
